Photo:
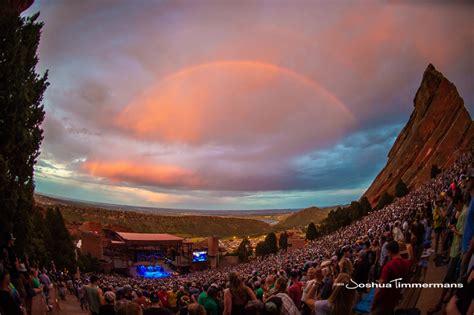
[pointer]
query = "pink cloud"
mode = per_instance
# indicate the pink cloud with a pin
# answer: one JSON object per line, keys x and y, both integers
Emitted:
{"x": 228, "y": 95}
{"x": 147, "y": 174}
{"x": 236, "y": 103}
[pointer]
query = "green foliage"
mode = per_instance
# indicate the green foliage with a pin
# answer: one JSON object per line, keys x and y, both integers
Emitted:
{"x": 244, "y": 250}
{"x": 88, "y": 263}
{"x": 343, "y": 216}
{"x": 271, "y": 243}
{"x": 336, "y": 219}
{"x": 365, "y": 204}
{"x": 384, "y": 200}
{"x": 283, "y": 241}
{"x": 435, "y": 171}
{"x": 355, "y": 210}
{"x": 401, "y": 189}
{"x": 268, "y": 246}
{"x": 261, "y": 249}
{"x": 21, "y": 114}
{"x": 50, "y": 240}
{"x": 39, "y": 248}
{"x": 59, "y": 240}
{"x": 311, "y": 232}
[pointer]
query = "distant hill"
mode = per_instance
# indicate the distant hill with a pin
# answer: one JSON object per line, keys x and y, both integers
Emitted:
{"x": 50, "y": 200}
{"x": 184, "y": 225}
{"x": 439, "y": 130}
{"x": 302, "y": 218}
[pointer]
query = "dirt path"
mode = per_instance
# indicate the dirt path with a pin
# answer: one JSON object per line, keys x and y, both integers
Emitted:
{"x": 71, "y": 306}
{"x": 429, "y": 297}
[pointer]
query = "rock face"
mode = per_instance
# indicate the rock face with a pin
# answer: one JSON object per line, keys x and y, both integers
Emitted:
{"x": 439, "y": 130}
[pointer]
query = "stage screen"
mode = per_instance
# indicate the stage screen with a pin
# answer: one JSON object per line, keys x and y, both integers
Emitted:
{"x": 152, "y": 272}
{"x": 200, "y": 256}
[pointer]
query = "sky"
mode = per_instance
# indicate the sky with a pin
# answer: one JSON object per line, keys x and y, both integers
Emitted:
{"x": 235, "y": 104}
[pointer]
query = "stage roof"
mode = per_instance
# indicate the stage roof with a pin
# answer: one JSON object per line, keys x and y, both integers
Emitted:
{"x": 148, "y": 237}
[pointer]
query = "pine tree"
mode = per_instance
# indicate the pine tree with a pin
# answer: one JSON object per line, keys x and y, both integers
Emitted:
{"x": 283, "y": 241}
{"x": 271, "y": 243}
{"x": 401, "y": 189}
{"x": 365, "y": 204}
{"x": 261, "y": 249}
{"x": 384, "y": 200}
{"x": 311, "y": 232}
{"x": 21, "y": 115}
{"x": 355, "y": 210}
{"x": 59, "y": 240}
{"x": 434, "y": 171}
{"x": 244, "y": 250}
{"x": 89, "y": 263}
{"x": 39, "y": 249}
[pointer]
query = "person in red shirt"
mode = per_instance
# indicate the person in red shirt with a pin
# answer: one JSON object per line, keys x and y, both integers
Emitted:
{"x": 386, "y": 299}
{"x": 295, "y": 290}
{"x": 141, "y": 299}
{"x": 163, "y": 295}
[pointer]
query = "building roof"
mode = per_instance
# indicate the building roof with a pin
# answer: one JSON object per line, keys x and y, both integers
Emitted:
{"x": 148, "y": 237}
{"x": 117, "y": 242}
{"x": 202, "y": 244}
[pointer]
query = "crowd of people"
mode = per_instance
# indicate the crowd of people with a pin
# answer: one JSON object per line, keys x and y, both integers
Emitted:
{"x": 435, "y": 220}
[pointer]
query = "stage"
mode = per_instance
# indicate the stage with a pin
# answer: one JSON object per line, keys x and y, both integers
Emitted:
{"x": 151, "y": 272}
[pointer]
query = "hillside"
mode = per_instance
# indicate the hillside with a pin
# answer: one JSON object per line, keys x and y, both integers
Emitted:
{"x": 438, "y": 131}
{"x": 302, "y": 218}
{"x": 186, "y": 225}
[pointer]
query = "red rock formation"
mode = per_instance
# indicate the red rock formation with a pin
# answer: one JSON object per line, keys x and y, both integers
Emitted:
{"x": 21, "y": 5}
{"x": 438, "y": 131}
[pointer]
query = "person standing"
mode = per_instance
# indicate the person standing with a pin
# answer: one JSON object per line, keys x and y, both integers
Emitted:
{"x": 452, "y": 273}
{"x": 345, "y": 264}
{"x": 7, "y": 303}
{"x": 156, "y": 307}
{"x": 93, "y": 294}
{"x": 237, "y": 296}
{"x": 467, "y": 237}
{"x": 109, "y": 307}
{"x": 340, "y": 301}
{"x": 11, "y": 262}
{"x": 386, "y": 299}
{"x": 439, "y": 225}
{"x": 208, "y": 301}
{"x": 295, "y": 290}
{"x": 288, "y": 307}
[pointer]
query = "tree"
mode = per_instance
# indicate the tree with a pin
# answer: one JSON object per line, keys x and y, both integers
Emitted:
{"x": 401, "y": 189}
{"x": 89, "y": 263}
{"x": 244, "y": 250}
{"x": 261, "y": 249}
{"x": 59, "y": 240}
{"x": 271, "y": 243}
{"x": 365, "y": 205}
{"x": 384, "y": 200}
{"x": 435, "y": 171}
{"x": 355, "y": 210}
{"x": 268, "y": 246}
{"x": 38, "y": 248}
{"x": 311, "y": 232}
{"x": 21, "y": 115}
{"x": 283, "y": 241}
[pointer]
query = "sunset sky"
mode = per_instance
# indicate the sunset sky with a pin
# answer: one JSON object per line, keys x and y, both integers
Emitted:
{"x": 235, "y": 104}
